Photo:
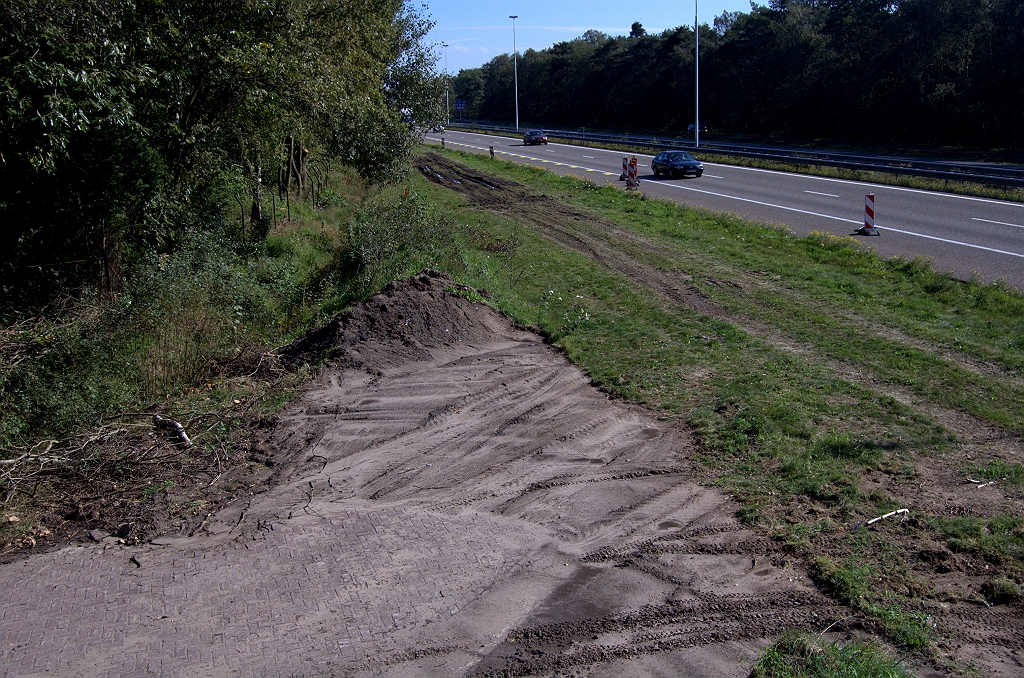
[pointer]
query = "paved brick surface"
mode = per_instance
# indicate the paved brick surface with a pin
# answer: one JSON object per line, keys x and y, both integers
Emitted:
{"x": 315, "y": 595}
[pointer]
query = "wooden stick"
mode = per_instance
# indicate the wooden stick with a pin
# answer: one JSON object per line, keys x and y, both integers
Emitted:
{"x": 889, "y": 515}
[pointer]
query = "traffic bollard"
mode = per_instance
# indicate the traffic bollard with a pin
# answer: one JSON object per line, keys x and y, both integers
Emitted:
{"x": 869, "y": 216}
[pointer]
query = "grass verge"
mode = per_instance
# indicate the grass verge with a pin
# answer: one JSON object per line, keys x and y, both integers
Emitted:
{"x": 823, "y": 383}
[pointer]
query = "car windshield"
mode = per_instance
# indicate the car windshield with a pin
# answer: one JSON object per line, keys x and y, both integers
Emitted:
{"x": 678, "y": 157}
{"x": 535, "y": 133}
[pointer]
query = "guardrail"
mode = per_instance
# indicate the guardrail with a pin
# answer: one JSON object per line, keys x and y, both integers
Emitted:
{"x": 987, "y": 174}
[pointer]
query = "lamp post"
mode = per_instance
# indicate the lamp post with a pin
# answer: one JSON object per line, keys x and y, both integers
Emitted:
{"x": 447, "y": 109}
{"x": 696, "y": 61}
{"x": 515, "y": 65}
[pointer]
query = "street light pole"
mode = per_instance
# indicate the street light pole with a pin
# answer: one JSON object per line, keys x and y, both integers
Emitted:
{"x": 447, "y": 108}
{"x": 696, "y": 57}
{"x": 515, "y": 65}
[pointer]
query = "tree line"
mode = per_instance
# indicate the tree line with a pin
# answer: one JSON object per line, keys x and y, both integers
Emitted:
{"x": 124, "y": 123}
{"x": 935, "y": 72}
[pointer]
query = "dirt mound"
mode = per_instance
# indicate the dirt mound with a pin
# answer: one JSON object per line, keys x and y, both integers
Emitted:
{"x": 401, "y": 324}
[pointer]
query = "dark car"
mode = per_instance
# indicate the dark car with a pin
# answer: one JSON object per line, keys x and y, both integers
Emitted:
{"x": 535, "y": 136}
{"x": 676, "y": 163}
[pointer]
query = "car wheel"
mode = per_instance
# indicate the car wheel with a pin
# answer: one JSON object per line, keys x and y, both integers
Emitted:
{"x": 671, "y": 174}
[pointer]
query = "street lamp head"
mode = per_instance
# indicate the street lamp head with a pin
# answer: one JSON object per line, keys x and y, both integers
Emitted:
{"x": 513, "y": 16}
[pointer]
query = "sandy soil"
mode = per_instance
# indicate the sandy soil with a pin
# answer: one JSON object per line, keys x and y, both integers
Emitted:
{"x": 614, "y": 560}
{"x": 451, "y": 498}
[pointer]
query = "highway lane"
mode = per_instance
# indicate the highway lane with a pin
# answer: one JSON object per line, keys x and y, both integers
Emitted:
{"x": 962, "y": 234}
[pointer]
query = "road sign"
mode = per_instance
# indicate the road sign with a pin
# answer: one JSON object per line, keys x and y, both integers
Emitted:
{"x": 460, "y": 104}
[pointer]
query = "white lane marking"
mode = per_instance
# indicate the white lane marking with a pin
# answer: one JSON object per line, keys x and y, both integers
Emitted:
{"x": 1001, "y": 223}
{"x": 811, "y": 176}
{"x": 849, "y": 221}
{"x": 827, "y": 195}
{"x": 713, "y": 176}
{"x": 781, "y": 207}
{"x": 528, "y": 157}
{"x": 589, "y": 156}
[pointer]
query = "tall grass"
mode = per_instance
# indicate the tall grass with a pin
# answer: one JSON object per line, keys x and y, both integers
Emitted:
{"x": 207, "y": 311}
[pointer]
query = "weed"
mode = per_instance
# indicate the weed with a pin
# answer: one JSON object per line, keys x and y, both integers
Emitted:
{"x": 796, "y": 655}
{"x": 997, "y": 537}
{"x": 849, "y": 583}
{"x": 998, "y": 470}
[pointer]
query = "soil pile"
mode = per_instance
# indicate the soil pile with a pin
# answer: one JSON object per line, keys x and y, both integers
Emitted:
{"x": 402, "y": 323}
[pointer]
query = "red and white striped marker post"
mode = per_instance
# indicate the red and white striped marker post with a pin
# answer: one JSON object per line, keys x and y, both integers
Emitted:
{"x": 625, "y": 168}
{"x": 869, "y": 216}
{"x": 631, "y": 174}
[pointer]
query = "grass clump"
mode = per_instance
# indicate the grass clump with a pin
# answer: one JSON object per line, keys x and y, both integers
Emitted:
{"x": 997, "y": 538}
{"x": 797, "y": 655}
{"x": 998, "y": 469}
{"x": 851, "y": 583}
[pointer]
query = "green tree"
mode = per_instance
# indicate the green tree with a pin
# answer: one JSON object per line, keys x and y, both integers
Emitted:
{"x": 125, "y": 122}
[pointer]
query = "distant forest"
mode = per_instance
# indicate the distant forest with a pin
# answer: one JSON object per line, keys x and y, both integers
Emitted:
{"x": 945, "y": 72}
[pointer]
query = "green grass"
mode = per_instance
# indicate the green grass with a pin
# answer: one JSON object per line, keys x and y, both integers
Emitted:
{"x": 858, "y": 354}
{"x": 998, "y": 470}
{"x": 852, "y": 583}
{"x": 797, "y": 655}
{"x": 997, "y": 538}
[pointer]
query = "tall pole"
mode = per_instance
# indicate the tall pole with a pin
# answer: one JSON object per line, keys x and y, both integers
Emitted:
{"x": 515, "y": 65}
{"x": 447, "y": 109}
{"x": 696, "y": 55}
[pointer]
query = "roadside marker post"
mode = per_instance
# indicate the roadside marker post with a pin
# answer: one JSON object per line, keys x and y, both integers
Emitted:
{"x": 631, "y": 174}
{"x": 869, "y": 216}
{"x": 625, "y": 168}
{"x": 442, "y": 142}
{"x": 492, "y": 152}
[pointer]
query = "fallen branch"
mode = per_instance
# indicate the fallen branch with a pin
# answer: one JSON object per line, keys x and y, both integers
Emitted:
{"x": 161, "y": 422}
{"x": 905, "y": 512}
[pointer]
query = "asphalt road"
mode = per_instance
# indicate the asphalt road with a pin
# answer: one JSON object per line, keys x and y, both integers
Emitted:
{"x": 964, "y": 235}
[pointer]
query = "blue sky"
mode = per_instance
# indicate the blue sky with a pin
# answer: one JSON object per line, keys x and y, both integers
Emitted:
{"x": 478, "y": 30}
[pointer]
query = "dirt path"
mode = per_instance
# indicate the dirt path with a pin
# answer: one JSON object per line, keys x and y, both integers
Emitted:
{"x": 453, "y": 499}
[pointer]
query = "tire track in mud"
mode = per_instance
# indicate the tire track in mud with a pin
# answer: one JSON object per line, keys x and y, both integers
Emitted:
{"x": 673, "y": 626}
